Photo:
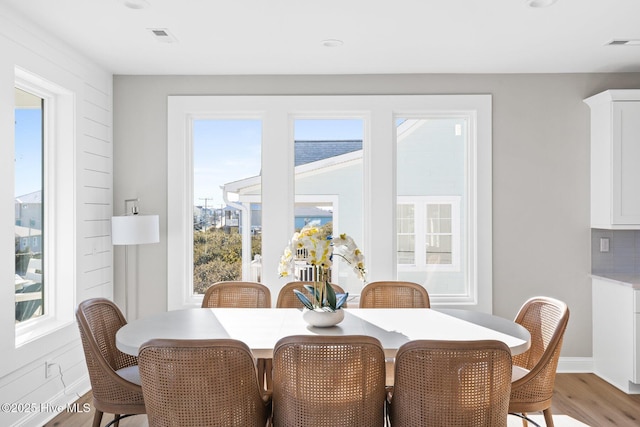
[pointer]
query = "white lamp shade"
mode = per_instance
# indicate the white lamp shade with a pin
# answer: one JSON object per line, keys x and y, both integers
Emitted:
{"x": 135, "y": 229}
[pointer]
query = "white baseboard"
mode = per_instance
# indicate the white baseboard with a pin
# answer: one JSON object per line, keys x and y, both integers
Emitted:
{"x": 62, "y": 400}
{"x": 575, "y": 365}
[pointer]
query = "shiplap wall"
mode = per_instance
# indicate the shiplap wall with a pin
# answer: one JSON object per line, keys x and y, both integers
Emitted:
{"x": 86, "y": 207}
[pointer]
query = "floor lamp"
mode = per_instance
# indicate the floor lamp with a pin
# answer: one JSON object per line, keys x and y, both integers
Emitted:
{"x": 133, "y": 229}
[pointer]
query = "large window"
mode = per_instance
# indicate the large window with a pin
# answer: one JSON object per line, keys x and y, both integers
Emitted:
{"x": 29, "y": 208}
{"x": 227, "y": 225}
{"x": 436, "y": 174}
{"x": 44, "y": 221}
{"x": 416, "y": 195}
{"x": 328, "y": 181}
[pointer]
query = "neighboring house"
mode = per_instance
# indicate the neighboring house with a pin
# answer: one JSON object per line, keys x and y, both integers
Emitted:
{"x": 308, "y": 214}
{"x": 28, "y": 226}
{"x": 28, "y": 210}
{"x": 28, "y": 238}
{"x": 225, "y": 217}
{"x": 328, "y": 185}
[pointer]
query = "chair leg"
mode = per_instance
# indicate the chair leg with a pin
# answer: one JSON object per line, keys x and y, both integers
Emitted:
{"x": 261, "y": 372}
{"x": 548, "y": 417}
{"x": 116, "y": 420}
{"x": 97, "y": 419}
{"x": 268, "y": 373}
{"x": 524, "y": 420}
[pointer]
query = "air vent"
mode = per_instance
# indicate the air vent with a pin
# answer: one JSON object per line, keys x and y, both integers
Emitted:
{"x": 624, "y": 42}
{"x": 162, "y": 35}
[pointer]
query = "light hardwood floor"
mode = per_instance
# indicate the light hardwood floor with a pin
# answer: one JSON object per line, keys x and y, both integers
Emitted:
{"x": 585, "y": 397}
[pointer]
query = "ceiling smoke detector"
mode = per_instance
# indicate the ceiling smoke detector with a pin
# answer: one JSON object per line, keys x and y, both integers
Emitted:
{"x": 332, "y": 43}
{"x": 162, "y": 35}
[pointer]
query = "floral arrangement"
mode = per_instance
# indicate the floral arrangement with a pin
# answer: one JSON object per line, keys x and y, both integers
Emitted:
{"x": 313, "y": 246}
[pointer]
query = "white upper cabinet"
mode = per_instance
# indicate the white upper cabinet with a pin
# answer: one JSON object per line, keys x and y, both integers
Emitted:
{"x": 615, "y": 159}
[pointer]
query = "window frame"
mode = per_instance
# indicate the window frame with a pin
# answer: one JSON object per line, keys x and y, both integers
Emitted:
{"x": 379, "y": 192}
{"x": 58, "y": 280}
{"x": 420, "y": 208}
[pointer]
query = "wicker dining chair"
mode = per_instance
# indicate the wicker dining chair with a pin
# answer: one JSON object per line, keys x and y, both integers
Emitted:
{"x": 114, "y": 376}
{"x": 288, "y": 299}
{"x": 328, "y": 381}
{"x": 194, "y": 383}
{"x": 394, "y": 294}
{"x": 237, "y": 294}
{"x": 451, "y": 384}
{"x": 534, "y": 371}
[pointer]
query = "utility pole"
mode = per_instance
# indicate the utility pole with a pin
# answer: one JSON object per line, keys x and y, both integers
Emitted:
{"x": 206, "y": 199}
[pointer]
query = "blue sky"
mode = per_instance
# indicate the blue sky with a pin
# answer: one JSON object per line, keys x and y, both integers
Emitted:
{"x": 28, "y": 151}
{"x": 229, "y": 150}
{"x": 224, "y": 150}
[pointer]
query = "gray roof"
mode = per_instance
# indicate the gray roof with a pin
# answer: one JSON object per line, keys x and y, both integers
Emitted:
{"x": 35, "y": 197}
{"x": 312, "y": 211}
{"x": 312, "y": 151}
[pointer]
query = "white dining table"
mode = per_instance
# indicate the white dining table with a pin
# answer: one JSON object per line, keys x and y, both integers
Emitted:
{"x": 261, "y": 328}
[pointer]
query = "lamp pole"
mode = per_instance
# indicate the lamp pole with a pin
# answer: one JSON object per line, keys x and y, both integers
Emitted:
{"x": 133, "y": 229}
{"x": 134, "y": 211}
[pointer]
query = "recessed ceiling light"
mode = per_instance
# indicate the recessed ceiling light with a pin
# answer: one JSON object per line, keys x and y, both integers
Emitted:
{"x": 540, "y": 3}
{"x": 332, "y": 43}
{"x": 624, "y": 42}
{"x": 136, "y": 4}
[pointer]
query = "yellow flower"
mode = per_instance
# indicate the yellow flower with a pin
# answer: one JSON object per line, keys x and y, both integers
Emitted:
{"x": 312, "y": 246}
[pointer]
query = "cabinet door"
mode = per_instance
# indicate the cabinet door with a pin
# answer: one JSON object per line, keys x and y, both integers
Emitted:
{"x": 626, "y": 162}
{"x": 636, "y": 348}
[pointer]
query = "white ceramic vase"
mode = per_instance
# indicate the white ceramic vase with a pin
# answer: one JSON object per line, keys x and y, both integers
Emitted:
{"x": 321, "y": 318}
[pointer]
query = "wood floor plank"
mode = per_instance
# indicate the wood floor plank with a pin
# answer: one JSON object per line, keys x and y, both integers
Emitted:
{"x": 585, "y": 397}
{"x": 593, "y": 401}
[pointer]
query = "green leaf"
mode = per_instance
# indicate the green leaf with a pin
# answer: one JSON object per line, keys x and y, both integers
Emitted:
{"x": 331, "y": 296}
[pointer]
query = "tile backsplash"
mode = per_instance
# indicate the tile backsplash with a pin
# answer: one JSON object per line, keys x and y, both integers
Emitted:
{"x": 624, "y": 252}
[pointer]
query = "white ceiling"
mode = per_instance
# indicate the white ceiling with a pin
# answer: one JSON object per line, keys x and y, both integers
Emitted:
{"x": 393, "y": 36}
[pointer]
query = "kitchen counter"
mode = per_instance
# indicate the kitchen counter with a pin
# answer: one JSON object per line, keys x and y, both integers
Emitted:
{"x": 630, "y": 280}
{"x": 616, "y": 330}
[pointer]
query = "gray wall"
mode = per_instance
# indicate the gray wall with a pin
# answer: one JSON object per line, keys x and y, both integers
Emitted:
{"x": 542, "y": 237}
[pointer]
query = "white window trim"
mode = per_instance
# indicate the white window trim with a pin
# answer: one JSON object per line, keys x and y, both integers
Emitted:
{"x": 420, "y": 202}
{"x": 379, "y": 196}
{"x": 58, "y": 223}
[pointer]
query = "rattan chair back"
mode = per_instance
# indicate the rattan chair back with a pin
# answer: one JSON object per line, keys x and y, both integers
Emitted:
{"x": 98, "y": 320}
{"x": 451, "y": 384}
{"x": 237, "y": 294}
{"x": 195, "y": 383}
{"x": 328, "y": 381}
{"x": 394, "y": 294}
{"x": 288, "y": 299}
{"x": 546, "y": 320}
